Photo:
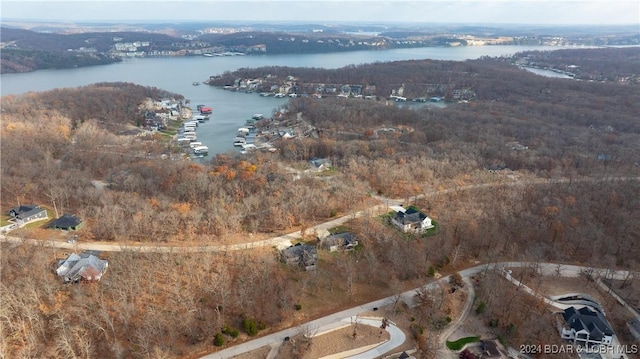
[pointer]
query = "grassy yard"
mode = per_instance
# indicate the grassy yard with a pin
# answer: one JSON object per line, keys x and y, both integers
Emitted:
{"x": 460, "y": 343}
{"x": 4, "y": 220}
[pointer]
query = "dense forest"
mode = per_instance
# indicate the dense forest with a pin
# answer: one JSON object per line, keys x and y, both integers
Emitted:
{"x": 424, "y": 77}
{"x": 537, "y": 169}
{"x": 50, "y": 48}
{"x": 27, "y": 60}
{"x": 101, "y": 41}
{"x": 588, "y": 64}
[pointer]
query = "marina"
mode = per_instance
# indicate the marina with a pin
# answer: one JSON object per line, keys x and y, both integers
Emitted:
{"x": 248, "y": 138}
{"x": 231, "y": 108}
{"x": 187, "y": 137}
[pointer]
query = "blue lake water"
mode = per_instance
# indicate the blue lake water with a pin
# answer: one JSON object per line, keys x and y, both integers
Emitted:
{"x": 230, "y": 109}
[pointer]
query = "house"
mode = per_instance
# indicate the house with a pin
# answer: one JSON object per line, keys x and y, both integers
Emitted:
{"x": 320, "y": 164}
{"x": 586, "y": 327}
{"x": 67, "y": 222}
{"x": 490, "y": 349}
{"x": 339, "y": 242}
{"x": 28, "y": 213}
{"x": 497, "y": 168}
{"x": 302, "y": 255}
{"x": 84, "y": 266}
{"x": 411, "y": 220}
{"x": 405, "y": 355}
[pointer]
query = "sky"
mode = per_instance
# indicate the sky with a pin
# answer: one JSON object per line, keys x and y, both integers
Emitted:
{"x": 540, "y": 12}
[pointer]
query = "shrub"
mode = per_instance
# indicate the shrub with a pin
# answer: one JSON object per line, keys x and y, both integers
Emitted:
{"x": 440, "y": 323}
{"x": 219, "y": 340}
{"x": 481, "y": 308}
{"x": 232, "y": 332}
{"x": 298, "y": 306}
{"x": 416, "y": 330}
{"x": 432, "y": 271}
{"x": 250, "y": 326}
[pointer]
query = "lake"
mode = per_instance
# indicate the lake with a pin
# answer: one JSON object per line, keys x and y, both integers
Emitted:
{"x": 230, "y": 109}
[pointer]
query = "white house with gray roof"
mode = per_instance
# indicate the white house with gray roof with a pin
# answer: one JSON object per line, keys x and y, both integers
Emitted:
{"x": 586, "y": 327}
{"x": 411, "y": 220}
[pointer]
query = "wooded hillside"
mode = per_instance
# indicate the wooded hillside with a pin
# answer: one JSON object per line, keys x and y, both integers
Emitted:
{"x": 535, "y": 169}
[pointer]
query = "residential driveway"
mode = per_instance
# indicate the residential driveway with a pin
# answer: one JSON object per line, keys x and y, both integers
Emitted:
{"x": 443, "y": 351}
{"x": 322, "y": 324}
{"x": 396, "y": 338}
{"x": 336, "y": 319}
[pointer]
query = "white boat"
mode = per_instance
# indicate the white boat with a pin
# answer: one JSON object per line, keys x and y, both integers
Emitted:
{"x": 195, "y": 144}
{"x": 243, "y": 130}
{"x": 239, "y": 141}
{"x": 191, "y": 123}
{"x": 201, "y": 150}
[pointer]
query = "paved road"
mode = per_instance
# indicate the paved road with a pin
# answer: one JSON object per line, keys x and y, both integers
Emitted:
{"x": 396, "y": 338}
{"x": 334, "y": 320}
{"x": 443, "y": 351}
{"x": 287, "y": 238}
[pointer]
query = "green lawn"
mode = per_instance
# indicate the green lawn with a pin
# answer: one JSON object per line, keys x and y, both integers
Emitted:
{"x": 460, "y": 343}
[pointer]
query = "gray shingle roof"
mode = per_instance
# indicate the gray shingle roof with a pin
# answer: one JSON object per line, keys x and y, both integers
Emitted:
{"x": 25, "y": 211}
{"x": 591, "y": 321}
{"x": 81, "y": 266}
{"x": 66, "y": 221}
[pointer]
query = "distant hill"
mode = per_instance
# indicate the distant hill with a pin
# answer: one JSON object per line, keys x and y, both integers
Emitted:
{"x": 26, "y": 50}
{"x": 100, "y": 41}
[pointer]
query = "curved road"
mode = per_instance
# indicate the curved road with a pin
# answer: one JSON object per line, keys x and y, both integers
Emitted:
{"x": 335, "y": 320}
{"x": 443, "y": 351}
{"x": 287, "y": 238}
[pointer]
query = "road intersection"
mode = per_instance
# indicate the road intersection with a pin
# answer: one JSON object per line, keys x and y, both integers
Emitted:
{"x": 334, "y": 320}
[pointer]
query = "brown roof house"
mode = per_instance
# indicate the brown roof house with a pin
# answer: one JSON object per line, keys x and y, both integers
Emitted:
{"x": 83, "y": 266}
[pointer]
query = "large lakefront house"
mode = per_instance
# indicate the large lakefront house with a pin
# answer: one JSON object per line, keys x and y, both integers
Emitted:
{"x": 586, "y": 327}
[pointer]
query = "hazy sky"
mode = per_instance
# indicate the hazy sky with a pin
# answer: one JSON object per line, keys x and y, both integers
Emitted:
{"x": 423, "y": 11}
